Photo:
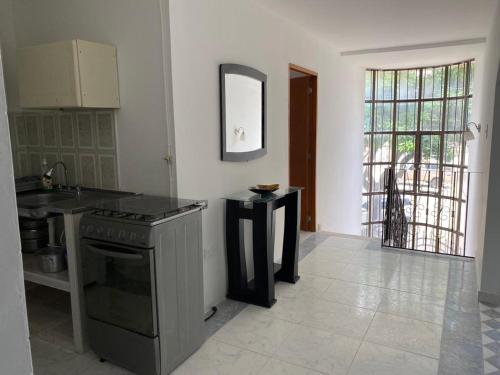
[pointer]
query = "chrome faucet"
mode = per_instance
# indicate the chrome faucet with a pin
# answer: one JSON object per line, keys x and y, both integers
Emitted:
{"x": 53, "y": 168}
{"x": 78, "y": 190}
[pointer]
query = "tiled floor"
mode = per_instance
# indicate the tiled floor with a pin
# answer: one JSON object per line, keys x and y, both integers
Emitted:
{"x": 49, "y": 318}
{"x": 357, "y": 309}
{"x": 490, "y": 327}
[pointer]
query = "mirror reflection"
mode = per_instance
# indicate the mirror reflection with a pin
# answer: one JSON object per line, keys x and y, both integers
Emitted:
{"x": 243, "y": 113}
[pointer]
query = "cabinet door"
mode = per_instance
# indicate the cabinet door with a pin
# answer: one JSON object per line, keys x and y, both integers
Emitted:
{"x": 98, "y": 75}
{"x": 48, "y": 76}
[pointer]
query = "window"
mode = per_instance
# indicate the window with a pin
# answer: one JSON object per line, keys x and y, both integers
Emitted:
{"x": 414, "y": 122}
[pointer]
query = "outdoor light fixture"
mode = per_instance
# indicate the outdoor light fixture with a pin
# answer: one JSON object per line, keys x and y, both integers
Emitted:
{"x": 469, "y": 134}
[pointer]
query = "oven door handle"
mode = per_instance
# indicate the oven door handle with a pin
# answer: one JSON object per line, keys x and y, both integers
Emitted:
{"x": 114, "y": 254}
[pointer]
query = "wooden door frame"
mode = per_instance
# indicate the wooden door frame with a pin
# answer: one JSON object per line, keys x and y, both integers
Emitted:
{"x": 296, "y": 68}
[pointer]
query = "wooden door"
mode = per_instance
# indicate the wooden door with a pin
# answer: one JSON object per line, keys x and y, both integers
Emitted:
{"x": 302, "y": 145}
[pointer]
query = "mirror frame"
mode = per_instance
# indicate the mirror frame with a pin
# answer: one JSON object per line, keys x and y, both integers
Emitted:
{"x": 255, "y": 74}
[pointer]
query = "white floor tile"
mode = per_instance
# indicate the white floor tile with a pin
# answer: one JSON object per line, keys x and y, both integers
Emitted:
{"x": 105, "y": 369}
{"x": 61, "y": 334}
{"x": 308, "y": 286}
{"x": 42, "y": 318}
{"x": 375, "y": 359}
{"x": 318, "y": 350}
{"x": 305, "y": 235}
{"x": 406, "y": 334}
{"x": 367, "y": 275}
{"x": 276, "y": 367}
{"x": 364, "y": 257}
{"x": 312, "y": 265}
{"x": 434, "y": 285}
{"x": 251, "y": 329}
{"x": 339, "y": 318}
{"x": 354, "y": 294}
{"x": 46, "y": 355}
{"x": 217, "y": 358}
{"x": 78, "y": 365}
{"x": 319, "y": 313}
{"x": 345, "y": 243}
{"x": 415, "y": 306}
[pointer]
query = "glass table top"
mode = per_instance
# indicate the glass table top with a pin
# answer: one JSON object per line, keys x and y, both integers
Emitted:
{"x": 248, "y": 196}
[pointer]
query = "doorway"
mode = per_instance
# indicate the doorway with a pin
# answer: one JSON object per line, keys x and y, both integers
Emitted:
{"x": 302, "y": 140}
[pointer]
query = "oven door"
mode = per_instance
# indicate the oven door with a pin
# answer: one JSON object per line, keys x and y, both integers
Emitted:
{"x": 119, "y": 286}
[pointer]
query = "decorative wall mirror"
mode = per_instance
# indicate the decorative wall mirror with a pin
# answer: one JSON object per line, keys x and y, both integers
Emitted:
{"x": 243, "y": 112}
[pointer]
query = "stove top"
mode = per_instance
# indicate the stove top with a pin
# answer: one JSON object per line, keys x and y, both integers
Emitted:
{"x": 144, "y": 208}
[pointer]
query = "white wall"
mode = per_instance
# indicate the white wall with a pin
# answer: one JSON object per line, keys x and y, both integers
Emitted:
{"x": 135, "y": 28}
{"x": 488, "y": 187}
{"x": 206, "y": 34}
{"x": 15, "y": 356}
{"x": 8, "y": 42}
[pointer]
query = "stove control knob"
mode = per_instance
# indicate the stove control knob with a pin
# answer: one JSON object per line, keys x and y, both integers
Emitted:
{"x": 90, "y": 228}
{"x": 121, "y": 235}
{"x": 133, "y": 236}
{"x": 109, "y": 233}
{"x": 100, "y": 230}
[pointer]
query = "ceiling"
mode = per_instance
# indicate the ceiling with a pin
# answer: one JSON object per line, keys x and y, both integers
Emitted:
{"x": 364, "y": 24}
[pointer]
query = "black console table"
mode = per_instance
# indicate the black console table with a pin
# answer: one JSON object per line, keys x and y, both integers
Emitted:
{"x": 260, "y": 210}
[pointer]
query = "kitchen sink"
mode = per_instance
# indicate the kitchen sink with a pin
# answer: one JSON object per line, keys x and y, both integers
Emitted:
{"x": 41, "y": 199}
{"x": 40, "y": 203}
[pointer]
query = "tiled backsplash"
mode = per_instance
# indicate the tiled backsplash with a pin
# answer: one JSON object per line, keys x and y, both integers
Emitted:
{"x": 84, "y": 140}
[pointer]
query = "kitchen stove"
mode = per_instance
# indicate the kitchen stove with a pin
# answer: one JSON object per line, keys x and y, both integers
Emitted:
{"x": 144, "y": 209}
{"x": 128, "y": 220}
{"x": 143, "y": 281}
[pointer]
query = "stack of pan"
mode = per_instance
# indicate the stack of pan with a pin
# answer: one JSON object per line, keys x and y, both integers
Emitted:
{"x": 34, "y": 234}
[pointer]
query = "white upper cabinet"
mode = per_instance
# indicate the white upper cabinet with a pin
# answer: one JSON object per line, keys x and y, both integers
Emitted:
{"x": 69, "y": 74}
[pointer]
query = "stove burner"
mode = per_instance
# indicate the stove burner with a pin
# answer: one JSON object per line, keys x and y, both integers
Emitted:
{"x": 145, "y": 209}
{"x": 131, "y": 216}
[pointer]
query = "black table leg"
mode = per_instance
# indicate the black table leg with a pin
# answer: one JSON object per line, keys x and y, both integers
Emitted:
{"x": 263, "y": 254}
{"x": 236, "y": 263}
{"x": 289, "y": 265}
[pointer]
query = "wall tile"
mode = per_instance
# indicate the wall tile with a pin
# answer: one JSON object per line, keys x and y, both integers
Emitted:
{"x": 12, "y": 131}
{"x": 50, "y": 137}
{"x": 107, "y": 171}
{"x": 35, "y": 159}
{"x": 32, "y": 130}
{"x": 84, "y": 141}
{"x": 69, "y": 159}
{"x": 105, "y": 131}
{"x": 23, "y": 163}
{"x": 66, "y": 130}
{"x": 13, "y": 143}
{"x": 88, "y": 170}
{"x": 84, "y": 122}
{"x": 21, "y": 135}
